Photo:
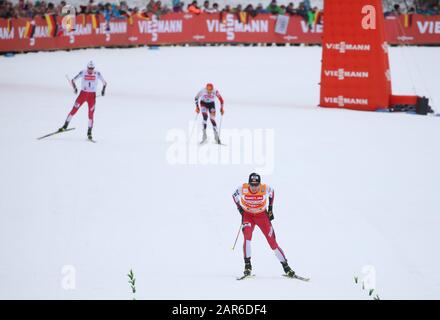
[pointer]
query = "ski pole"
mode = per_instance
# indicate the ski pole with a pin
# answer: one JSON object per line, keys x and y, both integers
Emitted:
{"x": 220, "y": 128}
{"x": 68, "y": 79}
{"x": 70, "y": 82}
{"x": 238, "y": 234}
{"x": 193, "y": 127}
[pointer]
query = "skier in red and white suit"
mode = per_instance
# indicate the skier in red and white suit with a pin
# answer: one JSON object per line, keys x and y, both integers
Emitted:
{"x": 89, "y": 83}
{"x": 251, "y": 199}
{"x": 207, "y": 102}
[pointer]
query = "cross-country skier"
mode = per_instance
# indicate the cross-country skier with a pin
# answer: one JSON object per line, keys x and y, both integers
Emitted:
{"x": 89, "y": 84}
{"x": 207, "y": 102}
{"x": 254, "y": 201}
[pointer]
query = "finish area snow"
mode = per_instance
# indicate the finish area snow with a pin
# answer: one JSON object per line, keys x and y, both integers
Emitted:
{"x": 356, "y": 193}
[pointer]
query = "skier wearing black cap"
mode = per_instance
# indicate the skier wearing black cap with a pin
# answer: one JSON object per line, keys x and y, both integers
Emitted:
{"x": 254, "y": 201}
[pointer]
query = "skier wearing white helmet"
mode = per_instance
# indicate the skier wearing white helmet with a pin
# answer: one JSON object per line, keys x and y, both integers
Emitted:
{"x": 89, "y": 84}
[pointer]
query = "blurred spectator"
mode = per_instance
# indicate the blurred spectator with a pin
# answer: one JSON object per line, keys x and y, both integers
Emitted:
{"x": 152, "y": 6}
{"x": 193, "y": 8}
{"x": 107, "y": 13}
{"x": 161, "y": 9}
{"x": 250, "y": 10}
{"x": 60, "y": 6}
{"x": 307, "y": 5}
{"x": 215, "y": 7}
{"x": 5, "y": 11}
{"x": 19, "y": 8}
{"x": 429, "y": 7}
{"x": 31, "y": 8}
{"x": 282, "y": 9}
{"x": 302, "y": 11}
{"x": 51, "y": 9}
{"x": 290, "y": 9}
{"x": 123, "y": 9}
{"x": 91, "y": 7}
{"x": 273, "y": 8}
{"x": 28, "y": 10}
{"x": 226, "y": 9}
{"x": 205, "y": 7}
{"x": 397, "y": 7}
{"x": 260, "y": 9}
{"x": 40, "y": 7}
{"x": 238, "y": 9}
{"x": 156, "y": 8}
{"x": 177, "y": 6}
{"x": 314, "y": 17}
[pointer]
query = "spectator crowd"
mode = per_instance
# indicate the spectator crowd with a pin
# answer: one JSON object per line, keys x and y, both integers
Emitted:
{"x": 426, "y": 7}
{"x": 30, "y": 8}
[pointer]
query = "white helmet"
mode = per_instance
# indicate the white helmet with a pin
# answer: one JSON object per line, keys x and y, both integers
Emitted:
{"x": 90, "y": 65}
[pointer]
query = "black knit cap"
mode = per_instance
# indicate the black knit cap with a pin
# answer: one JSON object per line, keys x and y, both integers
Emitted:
{"x": 254, "y": 179}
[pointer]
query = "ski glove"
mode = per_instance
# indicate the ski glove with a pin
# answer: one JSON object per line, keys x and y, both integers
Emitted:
{"x": 270, "y": 213}
{"x": 103, "y": 91}
{"x": 197, "y": 109}
{"x": 222, "y": 111}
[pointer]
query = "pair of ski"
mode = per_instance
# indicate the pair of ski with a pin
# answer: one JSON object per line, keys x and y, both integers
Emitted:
{"x": 58, "y": 131}
{"x": 284, "y": 275}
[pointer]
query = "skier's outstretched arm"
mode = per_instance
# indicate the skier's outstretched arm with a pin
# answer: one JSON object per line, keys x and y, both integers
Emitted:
{"x": 75, "y": 89}
{"x": 269, "y": 208}
{"x": 196, "y": 100}
{"x": 104, "y": 83}
{"x": 236, "y": 196}
{"x": 222, "y": 102}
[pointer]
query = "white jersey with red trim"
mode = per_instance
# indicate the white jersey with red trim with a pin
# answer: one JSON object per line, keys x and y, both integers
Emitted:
{"x": 89, "y": 81}
{"x": 208, "y": 97}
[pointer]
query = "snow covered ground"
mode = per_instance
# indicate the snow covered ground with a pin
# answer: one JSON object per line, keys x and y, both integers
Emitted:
{"x": 355, "y": 192}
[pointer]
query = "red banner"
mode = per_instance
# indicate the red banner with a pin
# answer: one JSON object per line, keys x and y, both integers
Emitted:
{"x": 355, "y": 67}
{"x": 178, "y": 28}
{"x": 413, "y": 29}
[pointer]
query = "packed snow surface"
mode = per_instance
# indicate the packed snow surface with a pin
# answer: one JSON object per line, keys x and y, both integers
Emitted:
{"x": 356, "y": 193}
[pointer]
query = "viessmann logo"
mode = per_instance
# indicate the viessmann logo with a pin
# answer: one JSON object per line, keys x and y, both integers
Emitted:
{"x": 231, "y": 26}
{"x": 6, "y": 34}
{"x": 342, "y": 101}
{"x": 429, "y": 27}
{"x": 341, "y": 74}
{"x": 156, "y": 27}
{"x": 343, "y": 47}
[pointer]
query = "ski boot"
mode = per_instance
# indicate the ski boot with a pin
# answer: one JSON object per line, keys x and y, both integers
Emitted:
{"x": 289, "y": 272}
{"x": 205, "y": 137}
{"x": 89, "y": 134}
{"x": 247, "y": 267}
{"x": 64, "y": 127}
{"x": 217, "y": 138}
